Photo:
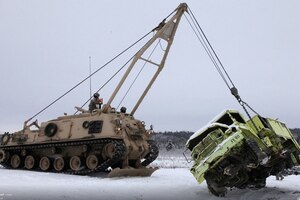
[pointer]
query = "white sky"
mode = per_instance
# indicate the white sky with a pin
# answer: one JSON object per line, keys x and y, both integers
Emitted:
{"x": 45, "y": 48}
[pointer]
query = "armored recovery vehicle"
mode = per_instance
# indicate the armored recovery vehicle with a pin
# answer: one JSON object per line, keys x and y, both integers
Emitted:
{"x": 96, "y": 140}
{"x": 233, "y": 152}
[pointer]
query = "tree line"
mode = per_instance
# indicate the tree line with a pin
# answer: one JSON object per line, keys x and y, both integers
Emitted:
{"x": 178, "y": 139}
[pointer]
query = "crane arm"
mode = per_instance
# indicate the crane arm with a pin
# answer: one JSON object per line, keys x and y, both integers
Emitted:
{"x": 165, "y": 31}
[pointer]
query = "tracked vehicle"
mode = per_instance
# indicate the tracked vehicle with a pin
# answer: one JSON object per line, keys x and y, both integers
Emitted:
{"x": 233, "y": 152}
{"x": 96, "y": 140}
{"x": 82, "y": 144}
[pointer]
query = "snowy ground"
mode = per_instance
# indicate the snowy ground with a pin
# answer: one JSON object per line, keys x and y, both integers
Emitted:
{"x": 176, "y": 183}
{"x": 172, "y": 181}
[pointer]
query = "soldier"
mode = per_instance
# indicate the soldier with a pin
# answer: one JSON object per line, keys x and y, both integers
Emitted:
{"x": 170, "y": 145}
{"x": 96, "y": 102}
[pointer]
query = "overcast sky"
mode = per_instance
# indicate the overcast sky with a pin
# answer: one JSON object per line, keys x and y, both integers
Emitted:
{"x": 45, "y": 48}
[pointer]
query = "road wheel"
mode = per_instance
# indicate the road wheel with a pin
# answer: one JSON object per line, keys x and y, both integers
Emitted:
{"x": 92, "y": 162}
{"x": 108, "y": 151}
{"x": 4, "y": 155}
{"x": 59, "y": 164}
{"x": 29, "y": 162}
{"x": 44, "y": 163}
{"x": 15, "y": 161}
{"x": 75, "y": 163}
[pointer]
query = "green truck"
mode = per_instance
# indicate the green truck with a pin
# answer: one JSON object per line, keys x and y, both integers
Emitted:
{"x": 232, "y": 152}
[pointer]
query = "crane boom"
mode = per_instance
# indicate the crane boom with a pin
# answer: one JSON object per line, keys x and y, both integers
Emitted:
{"x": 165, "y": 31}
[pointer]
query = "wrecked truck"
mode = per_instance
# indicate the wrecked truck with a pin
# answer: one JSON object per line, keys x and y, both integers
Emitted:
{"x": 232, "y": 152}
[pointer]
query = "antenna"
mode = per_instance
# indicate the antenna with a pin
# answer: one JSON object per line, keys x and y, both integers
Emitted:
{"x": 90, "y": 71}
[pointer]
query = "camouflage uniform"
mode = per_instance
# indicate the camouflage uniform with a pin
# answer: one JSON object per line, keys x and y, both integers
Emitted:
{"x": 95, "y": 104}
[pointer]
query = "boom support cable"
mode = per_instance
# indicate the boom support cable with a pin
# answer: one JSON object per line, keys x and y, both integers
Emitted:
{"x": 209, "y": 53}
{"x": 107, "y": 81}
{"x": 137, "y": 75}
{"x": 100, "y": 68}
{"x": 219, "y": 61}
{"x": 218, "y": 65}
{"x": 204, "y": 42}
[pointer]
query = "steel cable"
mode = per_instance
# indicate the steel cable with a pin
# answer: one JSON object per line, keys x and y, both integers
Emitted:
{"x": 216, "y": 61}
{"x": 209, "y": 53}
{"x": 103, "y": 66}
{"x": 138, "y": 75}
{"x": 198, "y": 25}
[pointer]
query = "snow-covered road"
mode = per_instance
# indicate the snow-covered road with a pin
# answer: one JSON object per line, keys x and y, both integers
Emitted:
{"x": 168, "y": 184}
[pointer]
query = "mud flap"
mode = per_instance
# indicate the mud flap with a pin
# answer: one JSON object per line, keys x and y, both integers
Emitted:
{"x": 117, "y": 172}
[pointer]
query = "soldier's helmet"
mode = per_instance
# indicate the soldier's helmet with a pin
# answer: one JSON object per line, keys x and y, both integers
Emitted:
{"x": 96, "y": 95}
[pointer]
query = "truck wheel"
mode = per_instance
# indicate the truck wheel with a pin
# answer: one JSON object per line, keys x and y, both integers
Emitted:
{"x": 217, "y": 191}
{"x": 260, "y": 156}
{"x": 213, "y": 186}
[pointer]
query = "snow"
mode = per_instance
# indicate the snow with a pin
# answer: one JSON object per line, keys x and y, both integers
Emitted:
{"x": 173, "y": 159}
{"x": 204, "y": 128}
{"x": 164, "y": 184}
